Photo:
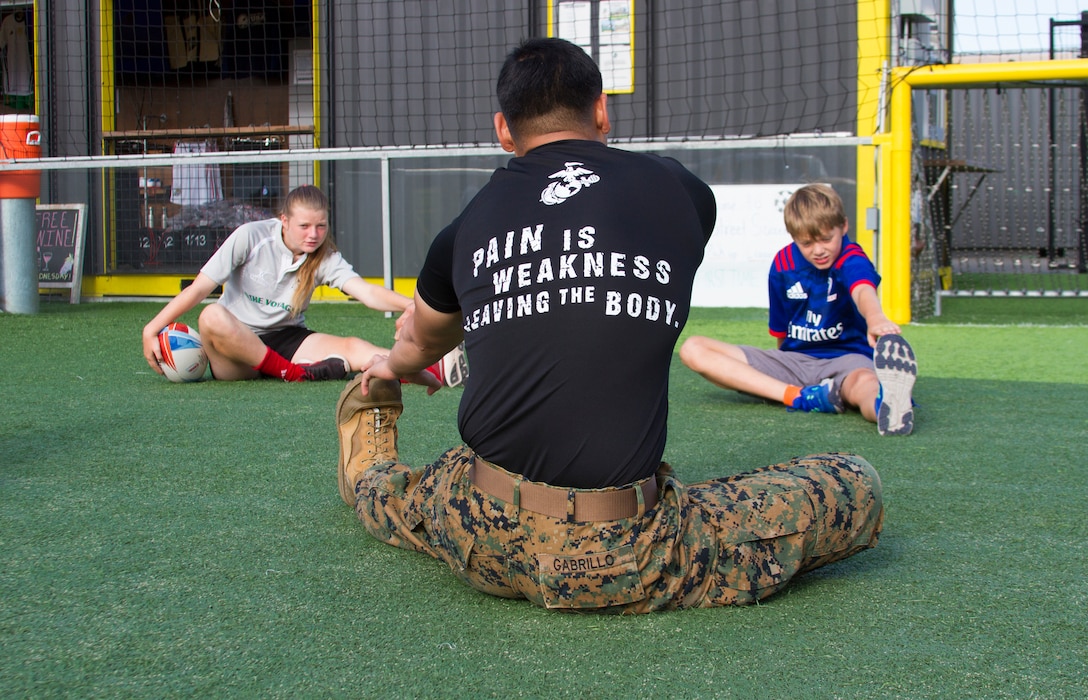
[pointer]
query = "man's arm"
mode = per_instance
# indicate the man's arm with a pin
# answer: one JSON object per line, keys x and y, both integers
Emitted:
{"x": 422, "y": 339}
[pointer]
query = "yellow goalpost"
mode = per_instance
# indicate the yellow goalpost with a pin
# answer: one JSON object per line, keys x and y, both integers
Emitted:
{"x": 894, "y": 155}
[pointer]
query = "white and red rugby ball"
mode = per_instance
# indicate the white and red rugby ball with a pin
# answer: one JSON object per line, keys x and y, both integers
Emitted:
{"x": 183, "y": 356}
{"x": 454, "y": 366}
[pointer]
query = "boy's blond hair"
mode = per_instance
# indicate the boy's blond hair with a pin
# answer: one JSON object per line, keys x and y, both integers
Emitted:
{"x": 812, "y": 210}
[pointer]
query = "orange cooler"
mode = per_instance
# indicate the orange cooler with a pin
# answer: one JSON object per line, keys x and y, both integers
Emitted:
{"x": 20, "y": 138}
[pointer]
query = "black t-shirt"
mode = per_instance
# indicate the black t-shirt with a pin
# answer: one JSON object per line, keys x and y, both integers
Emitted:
{"x": 572, "y": 272}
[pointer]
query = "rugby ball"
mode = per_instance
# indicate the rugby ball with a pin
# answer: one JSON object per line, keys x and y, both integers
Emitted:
{"x": 454, "y": 366}
{"x": 183, "y": 356}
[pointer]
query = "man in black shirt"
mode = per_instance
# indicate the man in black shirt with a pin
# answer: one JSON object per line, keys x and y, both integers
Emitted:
{"x": 569, "y": 279}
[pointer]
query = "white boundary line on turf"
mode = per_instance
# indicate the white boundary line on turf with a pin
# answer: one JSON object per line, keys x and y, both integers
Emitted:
{"x": 994, "y": 325}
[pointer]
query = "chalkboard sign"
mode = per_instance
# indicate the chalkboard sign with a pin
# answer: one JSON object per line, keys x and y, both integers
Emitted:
{"x": 60, "y": 230}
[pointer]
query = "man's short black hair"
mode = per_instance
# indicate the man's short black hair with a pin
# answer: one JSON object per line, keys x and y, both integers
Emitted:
{"x": 548, "y": 85}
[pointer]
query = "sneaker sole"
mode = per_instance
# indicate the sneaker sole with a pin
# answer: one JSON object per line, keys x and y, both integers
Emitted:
{"x": 896, "y": 368}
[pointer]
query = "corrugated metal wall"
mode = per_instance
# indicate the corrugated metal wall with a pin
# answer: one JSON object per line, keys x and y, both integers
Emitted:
{"x": 1009, "y": 132}
{"x": 417, "y": 72}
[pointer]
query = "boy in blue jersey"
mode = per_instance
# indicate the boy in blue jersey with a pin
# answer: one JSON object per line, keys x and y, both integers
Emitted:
{"x": 826, "y": 315}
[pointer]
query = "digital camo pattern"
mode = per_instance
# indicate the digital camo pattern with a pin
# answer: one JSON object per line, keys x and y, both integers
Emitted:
{"x": 728, "y": 541}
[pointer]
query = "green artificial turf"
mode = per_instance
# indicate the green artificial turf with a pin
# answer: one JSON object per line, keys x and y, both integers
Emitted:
{"x": 161, "y": 540}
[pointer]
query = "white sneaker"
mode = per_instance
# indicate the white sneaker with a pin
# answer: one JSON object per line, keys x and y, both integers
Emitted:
{"x": 896, "y": 368}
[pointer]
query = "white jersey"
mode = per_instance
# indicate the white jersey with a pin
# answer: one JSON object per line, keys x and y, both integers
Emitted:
{"x": 259, "y": 274}
{"x": 18, "y": 76}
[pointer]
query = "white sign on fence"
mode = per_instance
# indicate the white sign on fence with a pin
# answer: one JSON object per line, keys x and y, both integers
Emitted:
{"x": 746, "y": 237}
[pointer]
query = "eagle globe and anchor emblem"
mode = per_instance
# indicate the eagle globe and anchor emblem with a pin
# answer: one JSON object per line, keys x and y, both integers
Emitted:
{"x": 568, "y": 182}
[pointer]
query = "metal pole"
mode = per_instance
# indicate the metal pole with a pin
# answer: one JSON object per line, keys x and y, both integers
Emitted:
{"x": 20, "y": 259}
{"x": 387, "y": 226}
{"x": 1052, "y": 156}
{"x": 1082, "y": 234}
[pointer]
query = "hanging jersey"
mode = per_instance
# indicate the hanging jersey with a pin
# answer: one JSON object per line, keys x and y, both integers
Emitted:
{"x": 15, "y": 48}
{"x": 812, "y": 310}
{"x": 195, "y": 184}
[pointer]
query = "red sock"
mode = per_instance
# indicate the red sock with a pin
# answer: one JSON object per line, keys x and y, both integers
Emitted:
{"x": 792, "y": 392}
{"x": 275, "y": 365}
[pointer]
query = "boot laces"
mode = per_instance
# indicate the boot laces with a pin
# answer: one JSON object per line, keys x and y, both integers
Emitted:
{"x": 383, "y": 432}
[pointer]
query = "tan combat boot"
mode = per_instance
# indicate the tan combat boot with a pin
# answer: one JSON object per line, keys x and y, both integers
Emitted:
{"x": 368, "y": 430}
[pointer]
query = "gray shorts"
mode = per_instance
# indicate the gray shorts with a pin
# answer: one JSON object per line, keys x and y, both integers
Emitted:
{"x": 804, "y": 370}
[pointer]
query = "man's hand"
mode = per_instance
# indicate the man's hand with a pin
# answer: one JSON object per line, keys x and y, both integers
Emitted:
{"x": 422, "y": 337}
{"x": 378, "y": 368}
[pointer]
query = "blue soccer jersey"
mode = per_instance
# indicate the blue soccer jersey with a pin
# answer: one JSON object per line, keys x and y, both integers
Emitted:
{"x": 812, "y": 310}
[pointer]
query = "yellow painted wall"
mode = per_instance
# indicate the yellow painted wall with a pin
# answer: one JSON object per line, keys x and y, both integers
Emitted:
{"x": 167, "y": 286}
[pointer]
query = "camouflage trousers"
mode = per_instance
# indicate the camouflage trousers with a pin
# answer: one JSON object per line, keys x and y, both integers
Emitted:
{"x": 728, "y": 541}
